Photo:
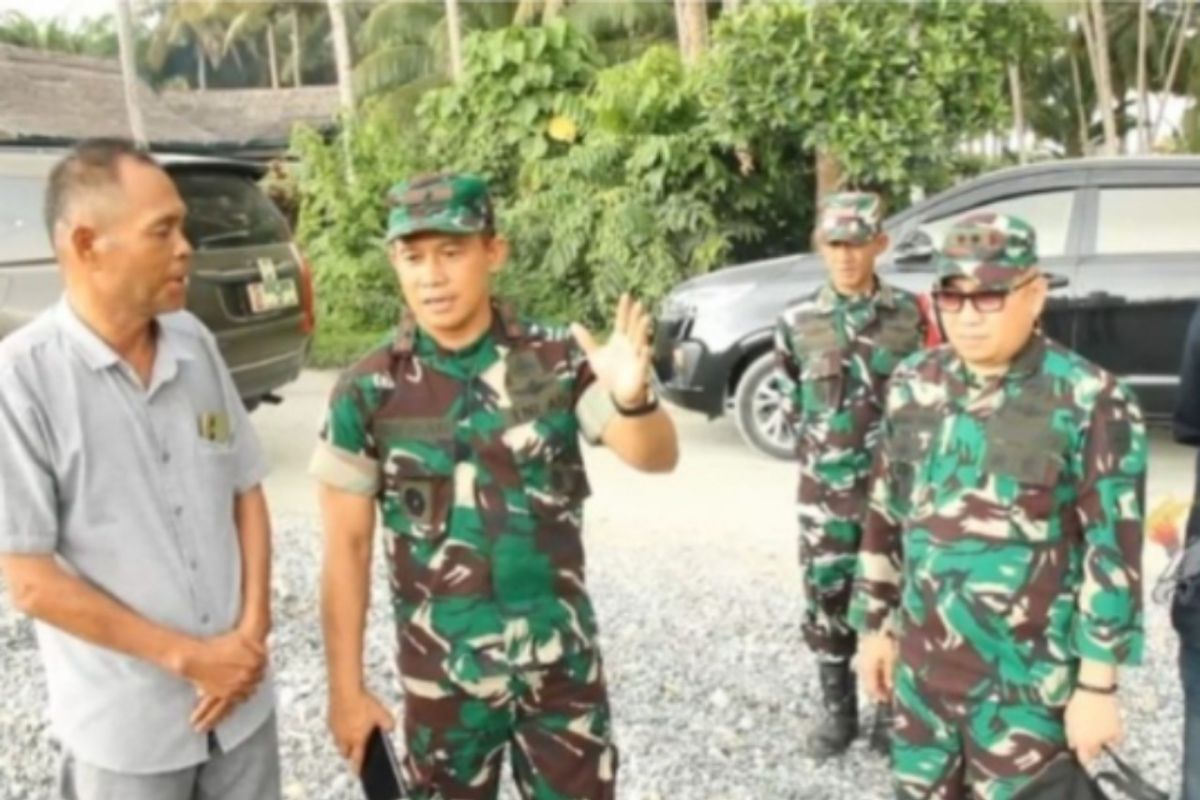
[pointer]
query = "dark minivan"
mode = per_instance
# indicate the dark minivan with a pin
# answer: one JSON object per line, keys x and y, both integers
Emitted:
{"x": 249, "y": 283}
{"x": 1123, "y": 234}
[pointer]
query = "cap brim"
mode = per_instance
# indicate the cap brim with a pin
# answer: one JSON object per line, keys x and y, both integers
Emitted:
{"x": 433, "y": 226}
{"x": 984, "y": 286}
{"x": 826, "y": 239}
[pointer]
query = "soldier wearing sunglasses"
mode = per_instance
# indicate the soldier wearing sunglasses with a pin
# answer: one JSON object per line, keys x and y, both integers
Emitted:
{"x": 999, "y": 587}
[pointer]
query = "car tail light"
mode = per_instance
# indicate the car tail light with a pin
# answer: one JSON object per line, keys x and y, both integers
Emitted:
{"x": 308, "y": 297}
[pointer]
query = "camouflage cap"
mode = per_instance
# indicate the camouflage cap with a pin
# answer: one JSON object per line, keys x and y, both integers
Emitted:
{"x": 441, "y": 203}
{"x": 996, "y": 250}
{"x": 850, "y": 217}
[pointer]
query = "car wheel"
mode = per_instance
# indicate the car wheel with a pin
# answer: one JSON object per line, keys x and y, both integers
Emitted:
{"x": 759, "y": 410}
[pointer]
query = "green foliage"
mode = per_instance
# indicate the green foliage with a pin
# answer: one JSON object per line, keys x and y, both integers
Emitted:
{"x": 647, "y": 96}
{"x": 405, "y": 46}
{"x": 635, "y": 177}
{"x": 877, "y": 88}
{"x": 343, "y": 209}
{"x": 515, "y": 81}
{"x": 227, "y": 42}
{"x": 624, "y": 29}
{"x": 89, "y": 37}
{"x": 646, "y": 200}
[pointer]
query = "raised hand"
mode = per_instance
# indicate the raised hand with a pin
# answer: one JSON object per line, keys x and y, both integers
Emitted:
{"x": 622, "y": 364}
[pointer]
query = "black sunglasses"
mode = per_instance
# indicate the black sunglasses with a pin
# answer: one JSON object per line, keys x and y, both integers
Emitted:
{"x": 989, "y": 301}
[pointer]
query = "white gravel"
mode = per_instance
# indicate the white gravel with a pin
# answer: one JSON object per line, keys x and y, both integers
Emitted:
{"x": 710, "y": 685}
{"x": 695, "y": 583}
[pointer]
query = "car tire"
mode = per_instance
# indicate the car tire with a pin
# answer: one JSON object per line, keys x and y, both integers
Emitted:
{"x": 758, "y": 410}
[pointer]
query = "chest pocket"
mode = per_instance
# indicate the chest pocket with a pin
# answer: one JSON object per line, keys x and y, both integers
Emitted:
{"x": 814, "y": 334}
{"x": 418, "y": 475}
{"x": 542, "y": 433}
{"x": 1022, "y": 442}
{"x": 818, "y": 349}
{"x": 913, "y": 440}
{"x": 1025, "y": 453}
{"x": 900, "y": 332}
{"x": 822, "y": 382}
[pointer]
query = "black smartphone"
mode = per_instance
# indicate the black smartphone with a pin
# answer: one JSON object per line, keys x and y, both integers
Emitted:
{"x": 381, "y": 771}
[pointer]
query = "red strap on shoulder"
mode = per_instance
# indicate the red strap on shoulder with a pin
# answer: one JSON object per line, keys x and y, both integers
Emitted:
{"x": 933, "y": 331}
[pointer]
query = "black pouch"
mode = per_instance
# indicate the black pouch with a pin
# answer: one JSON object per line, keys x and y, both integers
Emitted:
{"x": 1064, "y": 778}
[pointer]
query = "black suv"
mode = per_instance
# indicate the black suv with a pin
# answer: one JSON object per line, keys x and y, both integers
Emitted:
{"x": 1121, "y": 235}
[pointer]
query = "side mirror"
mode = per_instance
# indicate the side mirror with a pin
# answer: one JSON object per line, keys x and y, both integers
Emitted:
{"x": 915, "y": 249}
{"x": 1057, "y": 281}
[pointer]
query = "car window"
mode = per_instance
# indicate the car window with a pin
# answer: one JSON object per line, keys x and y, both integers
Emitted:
{"x": 1048, "y": 212}
{"x": 22, "y": 232}
{"x": 1148, "y": 220}
{"x": 228, "y": 209}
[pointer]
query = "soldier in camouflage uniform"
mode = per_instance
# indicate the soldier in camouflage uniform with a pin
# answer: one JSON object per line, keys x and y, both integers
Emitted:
{"x": 998, "y": 587}
{"x": 838, "y": 347}
{"x": 465, "y": 431}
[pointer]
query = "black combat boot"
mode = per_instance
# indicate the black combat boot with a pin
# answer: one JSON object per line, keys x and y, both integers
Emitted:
{"x": 881, "y": 731}
{"x": 839, "y": 700}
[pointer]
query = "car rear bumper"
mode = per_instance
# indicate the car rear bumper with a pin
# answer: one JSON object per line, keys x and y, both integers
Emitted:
{"x": 263, "y": 377}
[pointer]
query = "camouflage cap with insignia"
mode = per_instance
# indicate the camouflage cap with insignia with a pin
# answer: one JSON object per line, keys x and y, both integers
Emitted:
{"x": 441, "y": 203}
{"x": 849, "y": 217}
{"x": 996, "y": 250}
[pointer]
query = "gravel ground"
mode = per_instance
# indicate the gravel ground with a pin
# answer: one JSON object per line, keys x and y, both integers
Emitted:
{"x": 695, "y": 585}
{"x": 710, "y": 687}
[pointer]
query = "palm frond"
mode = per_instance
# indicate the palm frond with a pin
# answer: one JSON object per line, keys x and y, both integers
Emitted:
{"x": 390, "y": 67}
{"x": 405, "y": 20}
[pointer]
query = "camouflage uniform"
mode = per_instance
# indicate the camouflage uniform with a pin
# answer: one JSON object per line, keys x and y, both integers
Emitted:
{"x": 475, "y": 460}
{"x": 1003, "y": 543}
{"x": 837, "y": 353}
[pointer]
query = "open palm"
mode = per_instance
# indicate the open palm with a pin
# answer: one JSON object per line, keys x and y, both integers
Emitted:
{"x": 623, "y": 362}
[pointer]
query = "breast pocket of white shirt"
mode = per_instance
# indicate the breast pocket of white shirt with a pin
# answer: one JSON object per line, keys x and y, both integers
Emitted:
{"x": 215, "y": 480}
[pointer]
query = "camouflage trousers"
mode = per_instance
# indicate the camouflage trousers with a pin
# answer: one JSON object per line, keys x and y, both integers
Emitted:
{"x": 830, "y": 534}
{"x": 945, "y": 748}
{"x": 554, "y": 720}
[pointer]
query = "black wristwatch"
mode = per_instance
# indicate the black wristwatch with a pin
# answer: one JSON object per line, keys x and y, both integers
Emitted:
{"x": 648, "y": 407}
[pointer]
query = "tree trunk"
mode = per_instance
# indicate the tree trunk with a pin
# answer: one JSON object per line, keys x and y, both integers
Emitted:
{"x": 272, "y": 55}
{"x": 1121, "y": 117}
{"x": 1104, "y": 88}
{"x": 297, "y": 50}
{"x": 526, "y": 12}
{"x": 341, "y": 53}
{"x": 1143, "y": 92}
{"x": 454, "y": 31}
{"x": 129, "y": 78}
{"x": 551, "y": 10}
{"x": 681, "y": 29}
{"x": 1173, "y": 71}
{"x": 345, "y": 66}
{"x": 1018, "y": 108}
{"x": 201, "y": 68}
{"x": 1085, "y": 139}
{"x": 829, "y": 174}
{"x": 692, "y": 18}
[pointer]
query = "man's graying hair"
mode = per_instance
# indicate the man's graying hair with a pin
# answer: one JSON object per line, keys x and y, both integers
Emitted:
{"x": 90, "y": 167}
